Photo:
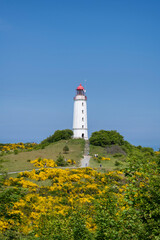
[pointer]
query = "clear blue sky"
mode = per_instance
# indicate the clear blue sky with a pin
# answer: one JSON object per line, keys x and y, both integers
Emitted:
{"x": 48, "y": 47}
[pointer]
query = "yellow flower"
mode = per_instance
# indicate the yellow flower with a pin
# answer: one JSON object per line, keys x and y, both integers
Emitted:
{"x": 108, "y": 159}
{"x": 141, "y": 184}
{"x": 123, "y": 208}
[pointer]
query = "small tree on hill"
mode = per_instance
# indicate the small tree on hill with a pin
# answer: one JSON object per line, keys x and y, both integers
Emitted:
{"x": 66, "y": 149}
{"x": 60, "y": 161}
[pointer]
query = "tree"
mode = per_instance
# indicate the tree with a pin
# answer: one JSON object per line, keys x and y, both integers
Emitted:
{"x": 103, "y": 138}
{"x": 66, "y": 149}
{"x": 58, "y": 135}
{"x": 60, "y": 161}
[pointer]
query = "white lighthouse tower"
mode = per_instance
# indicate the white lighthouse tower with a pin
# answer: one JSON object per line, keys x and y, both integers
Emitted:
{"x": 80, "y": 129}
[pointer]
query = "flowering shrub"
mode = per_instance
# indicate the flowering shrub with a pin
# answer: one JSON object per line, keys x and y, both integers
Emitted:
{"x": 39, "y": 162}
{"x": 71, "y": 161}
{"x": 83, "y": 203}
{"x": 106, "y": 159}
{"x": 16, "y": 146}
{"x": 157, "y": 152}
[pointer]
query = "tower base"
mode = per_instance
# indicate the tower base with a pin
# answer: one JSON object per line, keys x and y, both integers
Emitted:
{"x": 80, "y": 133}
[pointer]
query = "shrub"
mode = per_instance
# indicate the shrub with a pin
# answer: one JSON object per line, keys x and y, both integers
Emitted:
{"x": 59, "y": 135}
{"x": 117, "y": 155}
{"x": 117, "y": 163}
{"x": 148, "y": 150}
{"x": 39, "y": 162}
{"x": 127, "y": 147}
{"x": 61, "y": 161}
{"x": 15, "y": 151}
{"x": 66, "y": 149}
{"x": 1, "y": 153}
{"x": 104, "y": 138}
{"x": 139, "y": 147}
{"x": 71, "y": 161}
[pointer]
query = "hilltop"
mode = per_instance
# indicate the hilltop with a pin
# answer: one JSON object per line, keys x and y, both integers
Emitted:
{"x": 109, "y": 147}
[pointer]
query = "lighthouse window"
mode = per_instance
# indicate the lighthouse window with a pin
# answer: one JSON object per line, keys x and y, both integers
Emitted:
{"x": 82, "y": 126}
{"x": 82, "y": 119}
{"x": 82, "y": 103}
{"x": 82, "y": 111}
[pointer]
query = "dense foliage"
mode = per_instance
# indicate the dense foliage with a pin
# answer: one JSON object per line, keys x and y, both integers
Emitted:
{"x": 104, "y": 138}
{"x": 66, "y": 149}
{"x": 61, "y": 161}
{"x": 10, "y": 147}
{"x": 82, "y": 203}
{"x": 58, "y": 135}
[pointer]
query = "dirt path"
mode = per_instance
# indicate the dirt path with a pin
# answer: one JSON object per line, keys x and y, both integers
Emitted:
{"x": 86, "y": 158}
{"x": 85, "y": 161}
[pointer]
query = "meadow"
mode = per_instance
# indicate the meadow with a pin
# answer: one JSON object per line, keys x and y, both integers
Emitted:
{"x": 12, "y": 162}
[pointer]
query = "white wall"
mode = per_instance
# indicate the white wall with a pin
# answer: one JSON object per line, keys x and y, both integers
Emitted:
{"x": 80, "y": 118}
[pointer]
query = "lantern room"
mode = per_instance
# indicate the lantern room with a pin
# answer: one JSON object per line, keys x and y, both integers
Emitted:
{"x": 80, "y": 90}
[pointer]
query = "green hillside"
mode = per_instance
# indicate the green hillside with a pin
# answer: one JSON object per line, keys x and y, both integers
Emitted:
{"x": 76, "y": 204}
{"x": 109, "y": 147}
{"x": 119, "y": 199}
{"x": 117, "y": 159}
{"x": 21, "y": 161}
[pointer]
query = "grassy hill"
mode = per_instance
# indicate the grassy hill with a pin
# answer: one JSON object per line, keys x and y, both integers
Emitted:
{"x": 116, "y": 153}
{"x": 119, "y": 200}
{"x": 17, "y": 162}
{"x": 117, "y": 159}
{"x": 55, "y": 203}
{"x": 21, "y": 161}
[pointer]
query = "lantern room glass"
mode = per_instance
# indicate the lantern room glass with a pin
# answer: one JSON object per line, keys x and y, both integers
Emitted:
{"x": 80, "y": 92}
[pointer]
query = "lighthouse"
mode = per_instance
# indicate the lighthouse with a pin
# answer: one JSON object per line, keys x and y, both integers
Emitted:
{"x": 80, "y": 129}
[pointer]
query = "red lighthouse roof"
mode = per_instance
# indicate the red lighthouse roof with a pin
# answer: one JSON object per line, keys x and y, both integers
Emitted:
{"x": 80, "y": 87}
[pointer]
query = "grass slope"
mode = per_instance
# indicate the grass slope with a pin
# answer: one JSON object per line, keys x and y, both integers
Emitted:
{"x": 20, "y": 161}
{"x": 110, "y": 165}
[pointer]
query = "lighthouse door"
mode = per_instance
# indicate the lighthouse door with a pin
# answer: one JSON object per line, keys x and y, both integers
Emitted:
{"x": 82, "y": 135}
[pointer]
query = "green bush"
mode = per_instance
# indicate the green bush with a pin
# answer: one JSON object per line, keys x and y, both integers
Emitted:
{"x": 15, "y": 151}
{"x": 117, "y": 163}
{"x": 148, "y": 150}
{"x": 104, "y": 138}
{"x": 58, "y": 135}
{"x": 61, "y": 161}
{"x": 1, "y": 153}
{"x": 66, "y": 149}
{"x": 117, "y": 155}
